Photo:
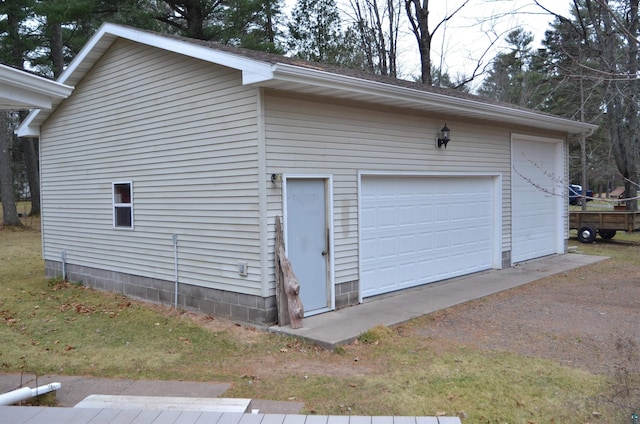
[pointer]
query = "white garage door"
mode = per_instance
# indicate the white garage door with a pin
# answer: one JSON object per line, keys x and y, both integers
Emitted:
{"x": 537, "y": 198}
{"x": 417, "y": 230}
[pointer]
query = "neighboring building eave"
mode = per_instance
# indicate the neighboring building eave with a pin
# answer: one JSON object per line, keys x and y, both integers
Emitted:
{"x": 20, "y": 90}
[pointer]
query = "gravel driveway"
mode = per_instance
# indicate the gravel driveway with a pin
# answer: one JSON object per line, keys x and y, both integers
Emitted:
{"x": 576, "y": 318}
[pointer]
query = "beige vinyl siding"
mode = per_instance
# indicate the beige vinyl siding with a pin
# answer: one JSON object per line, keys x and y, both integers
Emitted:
{"x": 184, "y": 132}
{"x": 312, "y": 137}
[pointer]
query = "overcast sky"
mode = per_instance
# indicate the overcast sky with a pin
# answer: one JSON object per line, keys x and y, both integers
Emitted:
{"x": 472, "y": 30}
{"x": 465, "y": 37}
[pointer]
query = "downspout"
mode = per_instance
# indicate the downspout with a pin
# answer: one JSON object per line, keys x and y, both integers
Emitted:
{"x": 263, "y": 195}
{"x": 175, "y": 269}
{"x": 25, "y": 393}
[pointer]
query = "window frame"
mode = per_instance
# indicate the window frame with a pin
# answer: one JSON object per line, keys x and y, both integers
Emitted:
{"x": 121, "y": 205}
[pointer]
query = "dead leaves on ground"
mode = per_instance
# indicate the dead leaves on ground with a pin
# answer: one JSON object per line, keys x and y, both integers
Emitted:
{"x": 8, "y": 317}
{"x": 297, "y": 345}
{"x": 86, "y": 309}
{"x": 78, "y": 307}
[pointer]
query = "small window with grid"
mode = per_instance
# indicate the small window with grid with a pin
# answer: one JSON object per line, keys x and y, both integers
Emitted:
{"x": 123, "y": 204}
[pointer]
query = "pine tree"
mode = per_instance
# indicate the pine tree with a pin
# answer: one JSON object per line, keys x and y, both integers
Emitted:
{"x": 253, "y": 24}
{"x": 512, "y": 79}
{"x": 314, "y": 31}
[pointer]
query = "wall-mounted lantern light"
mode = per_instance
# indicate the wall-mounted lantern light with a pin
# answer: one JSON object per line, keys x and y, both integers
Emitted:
{"x": 444, "y": 137}
{"x": 276, "y": 178}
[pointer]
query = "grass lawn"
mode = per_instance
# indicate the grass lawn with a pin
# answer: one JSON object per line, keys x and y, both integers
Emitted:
{"x": 53, "y": 327}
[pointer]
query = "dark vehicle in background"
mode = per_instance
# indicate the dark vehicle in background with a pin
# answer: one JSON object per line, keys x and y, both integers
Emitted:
{"x": 575, "y": 194}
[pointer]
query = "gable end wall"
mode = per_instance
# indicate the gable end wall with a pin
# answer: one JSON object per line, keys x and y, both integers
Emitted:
{"x": 185, "y": 133}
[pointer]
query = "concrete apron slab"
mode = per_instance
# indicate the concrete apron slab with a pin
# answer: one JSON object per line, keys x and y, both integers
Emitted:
{"x": 335, "y": 328}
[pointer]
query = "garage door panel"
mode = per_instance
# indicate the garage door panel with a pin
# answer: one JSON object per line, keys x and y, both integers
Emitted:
{"x": 438, "y": 228}
{"x": 535, "y": 227}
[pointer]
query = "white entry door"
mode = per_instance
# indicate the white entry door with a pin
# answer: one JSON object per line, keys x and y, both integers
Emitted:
{"x": 307, "y": 242}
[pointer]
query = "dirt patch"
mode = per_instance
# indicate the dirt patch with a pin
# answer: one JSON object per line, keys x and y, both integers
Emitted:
{"x": 575, "y": 318}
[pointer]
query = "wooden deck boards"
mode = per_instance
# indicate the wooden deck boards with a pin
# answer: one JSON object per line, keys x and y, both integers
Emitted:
{"x": 45, "y": 415}
{"x": 166, "y": 403}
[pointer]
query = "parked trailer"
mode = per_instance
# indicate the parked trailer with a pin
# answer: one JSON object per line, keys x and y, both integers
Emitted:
{"x": 605, "y": 224}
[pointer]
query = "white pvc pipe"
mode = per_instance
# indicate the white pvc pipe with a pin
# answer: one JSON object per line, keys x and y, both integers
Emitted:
{"x": 175, "y": 265}
{"x": 25, "y": 393}
{"x": 63, "y": 257}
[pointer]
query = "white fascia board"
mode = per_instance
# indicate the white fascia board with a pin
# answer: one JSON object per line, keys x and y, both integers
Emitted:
{"x": 444, "y": 103}
{"x": 258, "y": 74}
{"x": 108, "y": 33}
{"x": 19, "y": 98}
{"x": 256, "y": 69}
{"x": 253, "y": 71}
{"x": 26, "y": 129}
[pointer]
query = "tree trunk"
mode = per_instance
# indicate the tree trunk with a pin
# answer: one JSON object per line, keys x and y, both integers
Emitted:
{"x": 10, "y": 213}
{"x": 30, "y": 158}
{"x": 418, "y": 15}
{"x": 633, "y": 114}
{"x": 583, "y": 147}
{"x": 290, "y": 308}
{"x": 394, "y": 15}
{"x": 9, "y": 210}
{"x": 57, "y": 48}
{"x": 33, "y": 176}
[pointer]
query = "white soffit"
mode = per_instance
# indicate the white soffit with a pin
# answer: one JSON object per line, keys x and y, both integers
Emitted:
{"x": 311, "y": 81}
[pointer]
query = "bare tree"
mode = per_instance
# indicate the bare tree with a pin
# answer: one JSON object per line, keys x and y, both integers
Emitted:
{"x": 609, "y": 31}
{"x": 621, "y": 94}
{"x": 418, "y": 14}
{"x": 377, "y": 24}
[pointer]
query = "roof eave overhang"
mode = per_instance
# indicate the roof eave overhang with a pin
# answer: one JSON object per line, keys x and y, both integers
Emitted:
{"x": 307, "y": 80}
{"x": 20, "y": 90}
{"x": 397, "y": 96}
